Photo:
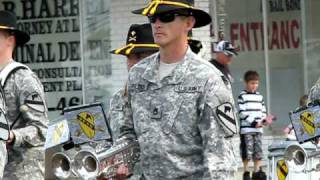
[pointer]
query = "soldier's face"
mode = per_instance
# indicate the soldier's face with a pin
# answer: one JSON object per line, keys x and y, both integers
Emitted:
{"x": 6, "y": 41}
{"x": 133, "y": 59}
{"x": 165, "y": 33}
{"x": 223, "y": 58}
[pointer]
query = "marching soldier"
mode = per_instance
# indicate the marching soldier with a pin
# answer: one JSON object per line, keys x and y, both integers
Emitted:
{"x": 26, "y": 108}
{"x": 179, "y": 108}
{"x": 140, "y": 44}
{"x": 315, "y": 92}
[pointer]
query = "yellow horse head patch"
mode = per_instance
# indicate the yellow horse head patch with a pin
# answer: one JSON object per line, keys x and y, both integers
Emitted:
{"x": 87, "y": 124}
{"x": 308, "y": 122}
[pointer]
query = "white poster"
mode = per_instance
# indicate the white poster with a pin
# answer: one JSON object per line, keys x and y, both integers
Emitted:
{"x": 54, "y": 51}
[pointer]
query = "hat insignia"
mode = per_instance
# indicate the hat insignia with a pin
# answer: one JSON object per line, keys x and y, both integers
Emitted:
{"x": 133, "y": 36}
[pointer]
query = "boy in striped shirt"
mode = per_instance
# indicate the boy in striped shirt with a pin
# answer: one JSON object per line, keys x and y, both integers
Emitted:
{"x": 252, "y": 114}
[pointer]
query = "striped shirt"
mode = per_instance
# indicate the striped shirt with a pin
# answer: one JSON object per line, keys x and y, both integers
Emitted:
{"x": 251, "y": 111}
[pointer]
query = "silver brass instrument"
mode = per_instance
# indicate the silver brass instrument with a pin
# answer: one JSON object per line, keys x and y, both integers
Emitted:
{"x": 61, "y": 165}
{"x": 88, "y": 164}
{"x": 80, "y": 129}
{"x": 297, "y": 157}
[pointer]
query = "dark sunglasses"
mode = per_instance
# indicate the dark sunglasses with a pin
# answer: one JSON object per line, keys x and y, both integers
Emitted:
{"x": 165, "y": 17}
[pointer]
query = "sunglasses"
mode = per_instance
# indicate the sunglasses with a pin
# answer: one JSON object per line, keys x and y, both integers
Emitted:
{"x": 228, "y": 54}
{"x": 165, "y": 17}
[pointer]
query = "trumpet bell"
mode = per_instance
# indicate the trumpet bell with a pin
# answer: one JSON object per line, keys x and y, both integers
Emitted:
{"x": 61, "y": 165}
{"x": 85, "y": 164}
{"x": 296, "y": 158}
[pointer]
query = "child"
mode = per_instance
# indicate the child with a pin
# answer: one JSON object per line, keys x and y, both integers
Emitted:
{"x": 252, "y": 113}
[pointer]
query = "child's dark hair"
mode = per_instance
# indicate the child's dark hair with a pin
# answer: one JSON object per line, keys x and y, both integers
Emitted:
{"x": 303, "y": 100}
{"x": 251, "y": 76}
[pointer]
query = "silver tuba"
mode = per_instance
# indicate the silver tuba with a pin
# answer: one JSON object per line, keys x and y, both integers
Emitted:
{"x": 89, "y": 164}
{"x": 85, "y": 164}
{"x": 61, "y": 165}
{"x": 296, "y": 157}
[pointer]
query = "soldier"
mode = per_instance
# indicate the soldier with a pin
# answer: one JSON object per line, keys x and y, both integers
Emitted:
{"x": 315, "y": 92}
{"x": 140, "y": 44}
{"x": 27, "y": 112}
{"x": 224, "y": 54}
{"x": 179, "y": 108}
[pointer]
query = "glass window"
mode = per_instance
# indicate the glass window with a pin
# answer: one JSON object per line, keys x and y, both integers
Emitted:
{"x": 95, "y": 26}
{"x": 242, "y": 25}
{"x": 289, "y": 65}
{"x": 312, "y": 41}
{"x": 285, "y": 59}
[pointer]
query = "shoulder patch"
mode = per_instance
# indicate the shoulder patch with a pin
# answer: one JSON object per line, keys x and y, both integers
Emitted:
{"x": 35, "y": 102}
{"x": 227, "y": 119}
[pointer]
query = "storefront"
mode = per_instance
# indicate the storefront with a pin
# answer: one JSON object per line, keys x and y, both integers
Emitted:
{"x": 290, "y": 64}
{"x": 71, "y": 40}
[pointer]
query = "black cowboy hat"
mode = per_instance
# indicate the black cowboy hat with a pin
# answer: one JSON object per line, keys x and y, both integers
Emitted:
{"x": 195, "y": 45}
{"x": 8, "y": 22}
{"x": 160, "y": 6}
{"x": 139, "y": 40}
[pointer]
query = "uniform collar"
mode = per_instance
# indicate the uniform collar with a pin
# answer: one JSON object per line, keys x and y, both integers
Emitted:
{"x": 151, "y": 73}
{"x": 2, "y": 66}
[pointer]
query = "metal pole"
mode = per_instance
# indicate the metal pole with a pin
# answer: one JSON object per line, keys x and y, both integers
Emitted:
{"x": 304, "y": 47}
{"x": 266, "y": 52}
{"x": 82, "y": 50}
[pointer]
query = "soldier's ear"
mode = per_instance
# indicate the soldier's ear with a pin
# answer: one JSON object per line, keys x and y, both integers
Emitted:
{"x": 190, "y": 23}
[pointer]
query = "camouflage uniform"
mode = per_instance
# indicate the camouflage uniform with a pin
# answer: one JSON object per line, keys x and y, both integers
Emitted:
{"x": 3, "y": 148}
{"x": 3, "y": 157}
{"x": 176, "y": 123}
{"x": 118, "y": 105}
{"x": 116, "y": 113}
{"x": 315, "y": 91}
{"x": 25, "y": 102}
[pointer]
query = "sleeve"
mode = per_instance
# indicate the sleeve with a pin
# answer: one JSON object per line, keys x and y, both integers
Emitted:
{"x": 242, "y": 108}
{"x": 264, "y": 110}
{"x": 3, "y": 157}
{"x": 33, "y": 111}
{"x": 115, "y": 115}
{"x": 126, "y": 124}
{"x": 218, "y": 104}
{"x": 243, "y": 113}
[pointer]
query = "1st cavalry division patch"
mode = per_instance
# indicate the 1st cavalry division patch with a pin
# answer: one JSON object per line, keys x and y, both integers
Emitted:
{"x": 227, "y": 118}
{"x": 308, "y": 122}
{"x": 282, "y": 170}
{"x": 87, "y": 124}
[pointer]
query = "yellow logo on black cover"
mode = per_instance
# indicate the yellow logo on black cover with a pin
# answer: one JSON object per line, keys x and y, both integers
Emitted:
{"x": 87, "y": 124}
{"x": 308, "y": 122}
{"x": 282, "y": 170}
